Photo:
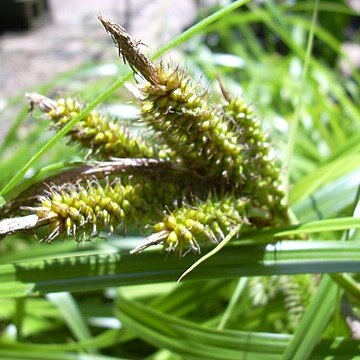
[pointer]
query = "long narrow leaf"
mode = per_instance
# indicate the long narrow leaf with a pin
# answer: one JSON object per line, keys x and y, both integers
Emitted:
{"x": 189, "y": 339}
{"x": 101, "y": 269}
{"x": 313, "y": 322}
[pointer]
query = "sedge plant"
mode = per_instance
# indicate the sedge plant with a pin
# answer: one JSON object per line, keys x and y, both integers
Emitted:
{"x": 219, "y": 169}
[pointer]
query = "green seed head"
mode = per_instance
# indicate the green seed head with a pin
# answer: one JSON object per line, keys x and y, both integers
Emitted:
{"x": 102, "y": 136}
{"x": 261, "y": 176}
{"x": 180, "y": 111}
{"x": 201, "y": 224}
{"x": 82, "y": 210}
{"x": 221, "y": 144}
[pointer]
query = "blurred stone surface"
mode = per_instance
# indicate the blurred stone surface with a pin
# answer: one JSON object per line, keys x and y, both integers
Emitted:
{"x": 74, "y": 36}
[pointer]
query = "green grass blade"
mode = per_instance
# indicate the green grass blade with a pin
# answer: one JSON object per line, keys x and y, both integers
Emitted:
{"x": 324, "y": 6}
{"x": 194, "y": 341}
{"x": 189, "y": 339}
{"x": 211, "y": 253}
{"x": 15, "y": 354}
{"x": 347, "y": 283}
{"x": 72, "y": 316}
{"x": 314, "y": 321}
{"x": 324, "y": 174}
{"x": 103, "y": 340}
{"x": 82, "y": 272}
{"x": 295, "y": 123}
{"x": 329, "y": 200}
{"x": 232, "y": 303}
{"x": 310, "y": 227}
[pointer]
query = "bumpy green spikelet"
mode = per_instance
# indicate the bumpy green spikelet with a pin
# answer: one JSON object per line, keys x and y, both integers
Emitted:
{"x": 297, "y": 291}
{"x": 262, "y": 181}
{"x": 179, "y": 110}
{"x": 218, "y": 142}
{"x": 81, "y": 210}
{"x": 186, "y": 228}
{"x": 103, "y": 137}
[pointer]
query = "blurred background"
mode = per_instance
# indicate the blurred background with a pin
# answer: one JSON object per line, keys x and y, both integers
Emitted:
{"x": 41, "y": 38}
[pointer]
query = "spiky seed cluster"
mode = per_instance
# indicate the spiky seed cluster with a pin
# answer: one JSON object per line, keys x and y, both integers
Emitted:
{"x": 261, "y": 174}
{"x": 179, "y": 110}
{"x": 103, "y": 137}
{"x": 82, "y": 210}
{"x": 214, "y": 143}
{"x": 186, "y": 228}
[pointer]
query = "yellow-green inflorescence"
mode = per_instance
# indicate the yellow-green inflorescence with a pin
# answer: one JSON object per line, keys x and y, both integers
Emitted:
{"x": 203, "y": 222}
{"x": 221, "y": 147}
{"x": 181, "y": 112}
{"x": 102, "y": 136}
{"x": 223, "y": 141}
{"x": 261, "y": 180}
{"x": 81, "y": 210}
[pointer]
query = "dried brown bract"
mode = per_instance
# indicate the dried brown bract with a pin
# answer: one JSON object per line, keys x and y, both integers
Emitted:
{"x": 130, "y": 52}
{"x": 45, "y": 104}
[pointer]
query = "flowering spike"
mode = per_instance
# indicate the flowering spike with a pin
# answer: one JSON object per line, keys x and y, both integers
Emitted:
{"x": 82, "y": 210}
{"x": 262, "y": 183}
{"x": 221, "y": 147}
{"x": 188, "y": 227}
{"x": 105, "y": 138}
{"x": 179, "y": 110}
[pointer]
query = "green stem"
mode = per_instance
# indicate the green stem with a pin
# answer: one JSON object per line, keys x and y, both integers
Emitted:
{"x": 240, "y": 286}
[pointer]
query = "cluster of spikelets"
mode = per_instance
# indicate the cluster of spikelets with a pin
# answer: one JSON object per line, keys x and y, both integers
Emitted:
{"x": 80, "y": 210}
{"x": 221, "y": 173}
{"x": 180, "y": 111}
